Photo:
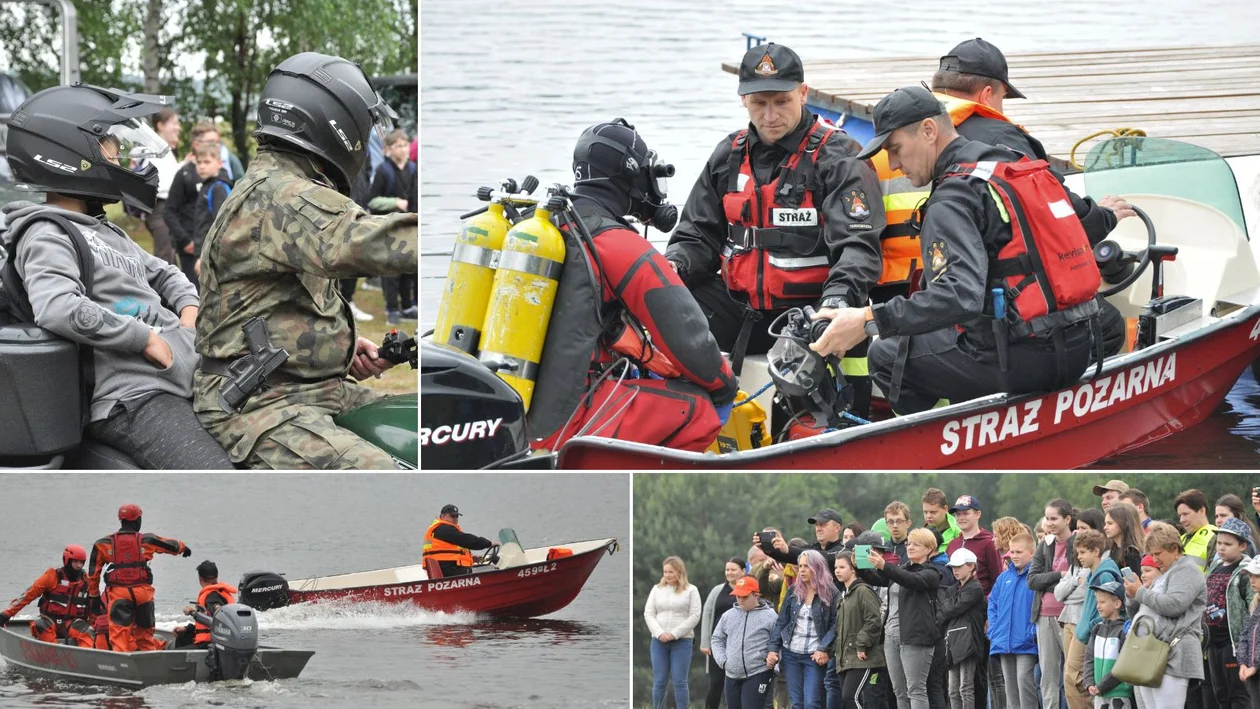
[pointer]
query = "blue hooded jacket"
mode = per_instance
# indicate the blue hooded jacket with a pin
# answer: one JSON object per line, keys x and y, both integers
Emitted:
{"x": 1105, "y": 571}
{"x": 1012, "y": 630}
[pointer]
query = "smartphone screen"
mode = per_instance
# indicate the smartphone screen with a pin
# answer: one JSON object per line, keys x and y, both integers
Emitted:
{"x": 859, "y": 556}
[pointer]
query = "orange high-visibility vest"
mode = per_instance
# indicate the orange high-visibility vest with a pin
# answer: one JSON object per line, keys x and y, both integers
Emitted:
{"x": 900, "y": 242}
{"x": 435, "y": 548}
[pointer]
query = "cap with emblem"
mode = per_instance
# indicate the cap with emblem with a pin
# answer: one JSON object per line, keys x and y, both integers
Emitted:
{"x": 745, "y": 586}
{"x": 976, "y": 56}
{"x": 451, "y": 510}
{"x": 901, "y": 108}
{"x": 770, "y": 67}
{"x": 966, "y": 502}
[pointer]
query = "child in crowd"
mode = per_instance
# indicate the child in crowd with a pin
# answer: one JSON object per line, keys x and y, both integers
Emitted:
{"x": 1103, "y": 648}
{"x": 215, "y": 188}
{"x": 1150, "y": 571}
{"x": 1012, "y": 632}
{"x": 1228, "y": 595}
{"x": 963, "y": 614}
{"x": 1248, "y": 650}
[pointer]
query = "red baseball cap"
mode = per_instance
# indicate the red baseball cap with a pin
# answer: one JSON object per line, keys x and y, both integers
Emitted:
{"x": 746, "y": 585}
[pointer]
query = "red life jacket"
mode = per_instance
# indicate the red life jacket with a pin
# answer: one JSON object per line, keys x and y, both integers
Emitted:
{"x": 67, "y": 600}
{"x": 128, "y": 567}
{"x": 1047, "y": 268}
{"x": 202, "y": 633}
{"x": 775, "y": 251}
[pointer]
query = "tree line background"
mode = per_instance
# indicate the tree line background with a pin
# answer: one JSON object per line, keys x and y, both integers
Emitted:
{"x": 242, "y": 40}
{"x": 707, "y": 518}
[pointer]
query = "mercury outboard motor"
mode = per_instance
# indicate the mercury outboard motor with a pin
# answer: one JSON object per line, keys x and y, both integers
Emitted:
{"x": 469, "y": 417}
{"x": 263, "y": 590}
{"x": 233, "y": 641}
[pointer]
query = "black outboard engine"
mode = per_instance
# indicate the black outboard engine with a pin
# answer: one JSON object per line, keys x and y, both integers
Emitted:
{"x": 264, "y": 590}
{"x": 233, "y": 641}
{"x": 469, "y": 417}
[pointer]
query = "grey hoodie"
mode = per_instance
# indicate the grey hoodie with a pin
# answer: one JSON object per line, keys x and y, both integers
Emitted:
{"x": 741, "y": 640}
{"x": 130, "y": 286}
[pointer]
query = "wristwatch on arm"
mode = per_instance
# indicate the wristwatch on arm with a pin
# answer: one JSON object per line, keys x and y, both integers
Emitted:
{"x": 872, "y": 330}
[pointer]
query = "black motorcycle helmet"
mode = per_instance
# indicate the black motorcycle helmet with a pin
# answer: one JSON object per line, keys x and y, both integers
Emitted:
{"x": 326, "y": 107}
{"x": 77, "y": 140}
{"x": 616, "y": 153}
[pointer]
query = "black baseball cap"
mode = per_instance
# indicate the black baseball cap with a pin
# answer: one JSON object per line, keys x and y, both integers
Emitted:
{"x": 451, "y": 510}
{"x": 903, "y": 107}
{"x": 976, "y": 56}
{"x": 770, "y": 67}
{"x": 826, "y": 515}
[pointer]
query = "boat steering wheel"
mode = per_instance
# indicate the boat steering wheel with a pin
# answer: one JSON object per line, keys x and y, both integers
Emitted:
{"x": 1109, "y": 256}
{"x": 490, "y": 557}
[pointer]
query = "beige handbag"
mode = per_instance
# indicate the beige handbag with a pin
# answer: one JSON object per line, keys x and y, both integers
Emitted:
{"x": 1143, "y": 657}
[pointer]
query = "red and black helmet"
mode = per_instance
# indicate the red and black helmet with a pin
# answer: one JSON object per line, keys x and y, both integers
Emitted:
{"x": 129, "y": 512}
{"x": 73, "y": 552}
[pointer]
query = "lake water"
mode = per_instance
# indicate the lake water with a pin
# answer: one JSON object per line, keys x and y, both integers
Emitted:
{"x": 375, "y": 655}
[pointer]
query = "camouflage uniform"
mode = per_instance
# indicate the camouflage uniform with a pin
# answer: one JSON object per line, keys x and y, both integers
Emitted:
{"x": 276, "y": 251}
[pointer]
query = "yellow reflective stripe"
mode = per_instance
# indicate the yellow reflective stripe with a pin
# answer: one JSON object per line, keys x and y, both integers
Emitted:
{"x": 854, "y": 367}
{"x": 997, "y": 199}
{"x": 904, "y": 201}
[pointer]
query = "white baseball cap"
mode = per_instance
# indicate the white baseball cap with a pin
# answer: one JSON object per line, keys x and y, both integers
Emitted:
{"x": 962, "y": 556}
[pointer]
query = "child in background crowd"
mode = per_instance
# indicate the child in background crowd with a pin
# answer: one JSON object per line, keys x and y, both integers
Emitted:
{"x": 1103, "y": 648}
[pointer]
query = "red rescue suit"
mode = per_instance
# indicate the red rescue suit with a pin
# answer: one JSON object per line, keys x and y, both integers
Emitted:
{"x": 775, "y": 252}
{"x": 636, "y": 280}
{"x": 63, "y": 608}
{"x": 128, "y": 594}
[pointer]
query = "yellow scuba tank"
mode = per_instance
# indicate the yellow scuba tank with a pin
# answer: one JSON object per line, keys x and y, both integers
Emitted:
{"x": 520, "y": 301}
{"x": 747, "y": 428}
{"x": 470, "y": 278}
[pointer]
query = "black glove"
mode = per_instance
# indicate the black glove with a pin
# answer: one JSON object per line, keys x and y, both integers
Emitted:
{"x": 98, "y": 606}
{"x": 187, "y": 553}
{"x": 4, "y": 619}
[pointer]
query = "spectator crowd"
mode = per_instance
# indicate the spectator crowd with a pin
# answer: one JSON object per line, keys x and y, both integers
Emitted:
{"x": 1096, "y": 607}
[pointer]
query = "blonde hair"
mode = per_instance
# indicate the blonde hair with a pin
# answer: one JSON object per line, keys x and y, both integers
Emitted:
{"x": 1025, "y": 539}
{"x": 1004, "y": 530}
{"x": 1161, "y": 536}
{"x": 680, "y": 568}
{"x": 924, "y": 538}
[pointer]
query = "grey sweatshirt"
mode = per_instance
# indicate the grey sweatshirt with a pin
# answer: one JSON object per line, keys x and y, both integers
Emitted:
{"x": 129, "y": 288}
{"x": 741, "y": 640}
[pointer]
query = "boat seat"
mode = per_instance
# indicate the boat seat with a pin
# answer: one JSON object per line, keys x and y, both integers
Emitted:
{"x": 94, "y": 455}
{"x": 433, "y": 568}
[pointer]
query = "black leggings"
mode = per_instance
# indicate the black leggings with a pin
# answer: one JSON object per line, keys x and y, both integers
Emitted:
{"x": 749, "y": 693}
{"x": 852, "y": 682}
{"x": 161, "y": 432}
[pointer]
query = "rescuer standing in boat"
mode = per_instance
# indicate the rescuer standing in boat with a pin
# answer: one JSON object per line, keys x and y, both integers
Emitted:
{"x": 63, "y": 602}
{"x": 128, "y": 580}
{"x": 276, "y": 251}
{"x": 787, "y": 213}
{"x": 448, "y": 544}
{"x": 972, "y": 83}
{"x": 958, "y": 338}
{"x": 615, "y": 289}
{"x": 212, "y": 596}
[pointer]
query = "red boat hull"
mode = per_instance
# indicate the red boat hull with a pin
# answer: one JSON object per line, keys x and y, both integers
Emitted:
{"x": 1165, "y": 390}
{"x": 526, "y": 591}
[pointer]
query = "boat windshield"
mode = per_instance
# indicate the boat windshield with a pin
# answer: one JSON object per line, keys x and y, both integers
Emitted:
{"x": 1144, "y": 165}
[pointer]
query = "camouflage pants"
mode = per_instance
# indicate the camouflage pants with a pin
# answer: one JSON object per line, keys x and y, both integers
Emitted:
{"x": 290, "y": 427}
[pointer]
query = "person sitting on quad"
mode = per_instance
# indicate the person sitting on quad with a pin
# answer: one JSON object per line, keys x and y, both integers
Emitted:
{"x": 277, "y": 248}
{"x": 87, "y": 281}
{"x": 63, "y": 602}
{"x": 447, "y": 544}
{"x": 213, "y": 595}
{"x": 614, "y": 288}
{"x": 123, "y": 558}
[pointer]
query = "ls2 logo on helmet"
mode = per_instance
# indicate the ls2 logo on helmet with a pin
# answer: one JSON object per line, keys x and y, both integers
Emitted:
{"x": 345, "y": 141}
{"x": 55, "y": 164}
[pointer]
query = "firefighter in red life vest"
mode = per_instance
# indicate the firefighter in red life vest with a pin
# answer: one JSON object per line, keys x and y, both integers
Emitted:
{"x": 63, "y": 602}
{"x": 213, "y": 595}
{"x": 786, "y": 212}
{"x": 128, "y": 596}
{"x": 449, "y": 545}
{"x": 619, "y": 297}
{"x": 946, "y": 341}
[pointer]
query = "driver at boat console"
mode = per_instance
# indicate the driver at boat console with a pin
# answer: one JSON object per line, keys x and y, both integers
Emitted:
{"x": 446, "y": 543}
{"x": 1007, "y": 297}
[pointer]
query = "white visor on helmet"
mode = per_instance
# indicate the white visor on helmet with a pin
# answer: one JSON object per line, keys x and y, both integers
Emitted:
{"x": 136, "y": 140}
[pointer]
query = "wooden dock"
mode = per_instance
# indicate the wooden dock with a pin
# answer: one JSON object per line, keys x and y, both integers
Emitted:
{"x": 1209, "y": 96}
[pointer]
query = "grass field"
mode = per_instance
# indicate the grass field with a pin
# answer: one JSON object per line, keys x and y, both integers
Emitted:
{"x": 398, "y": 380}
